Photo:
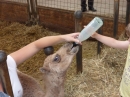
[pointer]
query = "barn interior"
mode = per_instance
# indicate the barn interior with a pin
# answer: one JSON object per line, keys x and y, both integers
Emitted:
{"x": 100, "y": 68}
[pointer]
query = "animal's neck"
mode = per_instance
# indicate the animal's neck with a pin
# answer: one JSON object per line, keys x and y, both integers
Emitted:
{"x": 55, "y": 86}
{"x": 55, "y": 92}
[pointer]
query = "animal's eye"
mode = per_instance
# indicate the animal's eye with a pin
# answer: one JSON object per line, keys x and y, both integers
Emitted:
{"x": 57, "y": 58}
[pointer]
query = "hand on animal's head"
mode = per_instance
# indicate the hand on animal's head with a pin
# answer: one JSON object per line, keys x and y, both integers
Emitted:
{"x": 60, "y": 60}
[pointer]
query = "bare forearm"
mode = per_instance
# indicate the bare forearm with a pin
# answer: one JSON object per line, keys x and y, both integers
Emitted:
{"x": 104, "y": 39}
{"x": 48, "y": 41}
{"x": 111, "y": 41}
{"x": 28, "y": 51}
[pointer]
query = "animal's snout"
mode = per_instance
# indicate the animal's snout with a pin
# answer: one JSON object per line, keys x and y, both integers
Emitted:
{"x": 75, "y": 44}
{"x": 74, "y": 48}
{"x": 71, "y": 47}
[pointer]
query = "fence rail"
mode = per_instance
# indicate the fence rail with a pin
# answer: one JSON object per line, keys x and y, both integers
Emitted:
{"x": 104, "y": 7}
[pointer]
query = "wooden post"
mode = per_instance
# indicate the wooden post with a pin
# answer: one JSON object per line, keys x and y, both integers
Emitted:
{"x": 48, "y": 50}
{"x": 128, "y": 12}
{"x": 3, "y": 66}
{"x": 33, "y": 12}
{"x": 78, "y": 17}
{"x": 99, "y": 44}
{"x": 116, "y": 16}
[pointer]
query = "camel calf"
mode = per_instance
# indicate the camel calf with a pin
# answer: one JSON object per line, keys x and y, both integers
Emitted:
{"x": 54, "y": 71}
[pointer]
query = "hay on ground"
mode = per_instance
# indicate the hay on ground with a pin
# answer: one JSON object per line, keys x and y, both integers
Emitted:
{"x": 101, "y": 75}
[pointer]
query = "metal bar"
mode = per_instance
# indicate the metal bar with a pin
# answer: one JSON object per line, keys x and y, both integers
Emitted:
{"x": 32, "y": 6}
{"x": 33, "y": 13}
{"x": 99, "y": 44}
{"x": 29, "y": 9}
{"x": 79, "y": 60}
{"x": 116, "y": 15}
{"x": 128, "y": 12}
{"x": 3, "y": 66}
{"x": 36, "y": 15}
{"x": 78, "y": 17}
{"x": 35, "y": 8}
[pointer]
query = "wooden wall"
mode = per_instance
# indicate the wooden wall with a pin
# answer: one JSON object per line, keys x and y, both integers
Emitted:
{"x": 62, "y": 21}
{"x": 13, "y": 12}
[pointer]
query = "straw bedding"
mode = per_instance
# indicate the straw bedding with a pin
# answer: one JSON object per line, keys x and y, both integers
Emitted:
{"x": 101, "y": 74}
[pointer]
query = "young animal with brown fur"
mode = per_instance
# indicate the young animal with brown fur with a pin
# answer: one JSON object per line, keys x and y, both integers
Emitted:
{"x": 54, "y": 71}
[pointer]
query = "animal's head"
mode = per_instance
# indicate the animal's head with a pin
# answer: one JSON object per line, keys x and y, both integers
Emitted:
{"x": 60, "y": 60}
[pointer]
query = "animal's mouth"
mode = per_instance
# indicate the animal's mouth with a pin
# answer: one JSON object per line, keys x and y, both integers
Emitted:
{"x": 73, "y": 48}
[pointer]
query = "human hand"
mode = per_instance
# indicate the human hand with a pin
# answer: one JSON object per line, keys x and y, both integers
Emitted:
{"x": 73, "y": 37}
{"x": 92, "y": 34}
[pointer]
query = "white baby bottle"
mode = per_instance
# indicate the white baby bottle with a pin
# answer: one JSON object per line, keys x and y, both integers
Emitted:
{"x": 89, "y": 30}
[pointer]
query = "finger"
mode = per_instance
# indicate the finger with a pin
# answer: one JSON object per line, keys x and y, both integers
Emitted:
{"x": 77, "y": 41}
{"x": 75, "y": 34}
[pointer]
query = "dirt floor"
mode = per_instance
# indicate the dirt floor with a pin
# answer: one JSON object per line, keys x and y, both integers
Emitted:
{"x": 101, "y": 74}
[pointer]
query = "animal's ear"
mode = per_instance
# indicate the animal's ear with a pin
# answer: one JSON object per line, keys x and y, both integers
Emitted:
{"x": 44, "y": 69}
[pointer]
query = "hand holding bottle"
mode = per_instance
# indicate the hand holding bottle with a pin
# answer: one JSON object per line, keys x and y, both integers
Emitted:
{"x": 90, "y": 29}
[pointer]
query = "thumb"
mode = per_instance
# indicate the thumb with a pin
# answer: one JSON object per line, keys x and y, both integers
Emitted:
{"x": 77, "y": 41}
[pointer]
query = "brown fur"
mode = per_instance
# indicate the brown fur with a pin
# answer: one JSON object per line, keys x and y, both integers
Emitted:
{"x": 54, "y": 71}
{"x": 31, "y": 87}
